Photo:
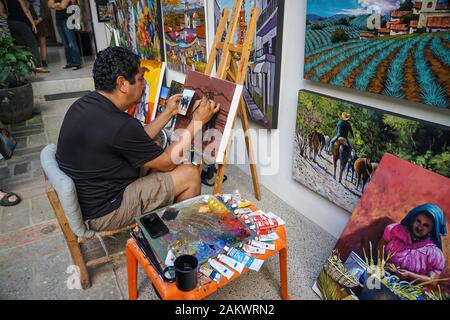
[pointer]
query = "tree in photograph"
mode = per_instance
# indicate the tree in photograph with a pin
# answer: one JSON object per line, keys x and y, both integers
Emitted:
{"x": 339, "y": 36}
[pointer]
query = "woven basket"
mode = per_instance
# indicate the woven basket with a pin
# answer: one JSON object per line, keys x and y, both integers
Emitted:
{"x": 345, "y": 280}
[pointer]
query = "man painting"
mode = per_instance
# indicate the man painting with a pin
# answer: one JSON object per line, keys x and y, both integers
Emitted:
{"x": 118, "y": 169}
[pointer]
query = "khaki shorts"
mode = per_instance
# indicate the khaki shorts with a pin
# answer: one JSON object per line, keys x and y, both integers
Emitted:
{"x": 144, "y": 195}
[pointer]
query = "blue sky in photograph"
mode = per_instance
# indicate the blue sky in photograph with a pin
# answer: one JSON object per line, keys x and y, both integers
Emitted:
{"x": 192, "y": 3}
{"x": 328, "y": 8}
{"x": 230, "y": 4}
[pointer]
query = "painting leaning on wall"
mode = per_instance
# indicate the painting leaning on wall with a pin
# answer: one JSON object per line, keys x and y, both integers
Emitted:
{"x": 338, "y": 145}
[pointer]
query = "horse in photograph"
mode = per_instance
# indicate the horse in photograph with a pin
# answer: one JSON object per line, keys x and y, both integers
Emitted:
{"x": 351, "y": 165}
{"x": 316, "y": 143}
{"x": 364, "y": 170}
{"x": 326, "y": 145}
{"x": 341, "y": 152}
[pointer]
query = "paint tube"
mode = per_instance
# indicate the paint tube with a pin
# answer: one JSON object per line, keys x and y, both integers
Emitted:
{"x": 273, "y": 216}
{"x": 235, "y": 265}
{"x": 210, "y": 272}
{"x": 262, "y": 245}
{"x": 268, "y": 237}
{"x": 244, "y": 211}
{"x": 223, "y": 270}
{"x": 244, "y": 204}
{"x": 252, "y": 250}
{"x": 238, "y": 255}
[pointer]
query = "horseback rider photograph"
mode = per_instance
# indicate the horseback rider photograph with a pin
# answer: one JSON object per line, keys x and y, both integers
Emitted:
{"x": 343, "y": 129}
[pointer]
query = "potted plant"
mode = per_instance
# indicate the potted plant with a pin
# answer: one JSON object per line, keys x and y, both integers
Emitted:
{"x": 16, "y": 93}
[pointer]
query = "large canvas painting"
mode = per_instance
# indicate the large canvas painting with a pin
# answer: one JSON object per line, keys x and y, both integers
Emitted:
{"x": 149, "y": 30}
{"x": 222, "y": 92}
{"x": 185, "y": 34}
{"x": 146, "y": 110}
{"x": 137, "y": 25}
{"x": 261, "y": 90}
{"x": 395, "y": 48}
{"x": 338, "y": 145}
{"x": 395, "y": 245}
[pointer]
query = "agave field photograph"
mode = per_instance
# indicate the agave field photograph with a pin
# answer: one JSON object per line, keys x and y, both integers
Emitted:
{"x": 395, "y": 48}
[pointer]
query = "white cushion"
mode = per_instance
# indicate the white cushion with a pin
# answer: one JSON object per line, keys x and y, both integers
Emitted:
{"x": 67, "y": 193}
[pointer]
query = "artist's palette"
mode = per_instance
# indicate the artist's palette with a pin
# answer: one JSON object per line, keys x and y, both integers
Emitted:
{"x": 202, "y": 227}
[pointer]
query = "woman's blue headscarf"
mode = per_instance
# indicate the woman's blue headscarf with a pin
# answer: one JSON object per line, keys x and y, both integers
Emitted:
{"x": 439, "y": 221}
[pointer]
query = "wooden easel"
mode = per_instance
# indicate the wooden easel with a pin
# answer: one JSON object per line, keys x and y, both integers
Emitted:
{"x": 230, "y": 69}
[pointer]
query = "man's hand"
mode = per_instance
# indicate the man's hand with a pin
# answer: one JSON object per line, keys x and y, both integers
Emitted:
{"x": 205, "y": 110}
{"x": 33, "y": 27}
{"x": 173, "y": 104}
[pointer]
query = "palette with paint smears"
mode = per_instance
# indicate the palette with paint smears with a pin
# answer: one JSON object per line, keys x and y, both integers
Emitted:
{"x": 202, "y": 227}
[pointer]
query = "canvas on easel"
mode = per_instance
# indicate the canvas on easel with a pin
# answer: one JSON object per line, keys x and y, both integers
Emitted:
{"x": 222, "y": 92}
{"x": 233, "y": 65}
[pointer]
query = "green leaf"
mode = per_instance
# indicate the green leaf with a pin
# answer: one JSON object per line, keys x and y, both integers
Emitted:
{"x": 10, "y": 57}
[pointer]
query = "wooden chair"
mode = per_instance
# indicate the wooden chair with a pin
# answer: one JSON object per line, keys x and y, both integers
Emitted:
{"x": 71, "y": 222}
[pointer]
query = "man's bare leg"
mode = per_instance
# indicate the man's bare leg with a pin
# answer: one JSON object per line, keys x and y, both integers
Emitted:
{"x": 187, "y": 182}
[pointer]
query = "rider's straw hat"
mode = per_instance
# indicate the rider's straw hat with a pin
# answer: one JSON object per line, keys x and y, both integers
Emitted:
{"x": 345, "y": 116}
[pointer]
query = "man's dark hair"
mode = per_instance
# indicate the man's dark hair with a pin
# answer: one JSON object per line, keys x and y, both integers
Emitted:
{"x": 112, "y": 63}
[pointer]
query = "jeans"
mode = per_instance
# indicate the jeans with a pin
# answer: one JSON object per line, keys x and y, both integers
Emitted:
{"x": 69, "y": 40}
{"x": 22, "y": 33}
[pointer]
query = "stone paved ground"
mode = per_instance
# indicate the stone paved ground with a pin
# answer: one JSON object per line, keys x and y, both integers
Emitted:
{"x": 35, "y": 262}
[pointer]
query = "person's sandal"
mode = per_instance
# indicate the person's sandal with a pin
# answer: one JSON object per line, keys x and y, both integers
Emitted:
{"x": 41, "y": 70}
{"x": 4, "y": 202}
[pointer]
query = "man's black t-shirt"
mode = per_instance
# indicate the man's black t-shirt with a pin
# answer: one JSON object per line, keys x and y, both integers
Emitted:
{"x": 102, "y": 149}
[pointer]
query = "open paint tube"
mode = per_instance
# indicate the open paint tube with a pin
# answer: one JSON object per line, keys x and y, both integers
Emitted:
{"x": 210, "y": 272}
{"x": 252, "y": 250}
{"x": 249, "y": 262}
{"x": 269, "y": 237}
{"x": 232, "y": 263}
{"x": 223, "y": 270}
{"x": 262, "y": 245}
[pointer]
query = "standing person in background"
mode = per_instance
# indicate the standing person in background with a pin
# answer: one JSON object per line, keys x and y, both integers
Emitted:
{"x": 23, "y": 28}
{"x": 4, "y": 29}
{"x": 68, "y": 36}
{"x": 41, "y": 14}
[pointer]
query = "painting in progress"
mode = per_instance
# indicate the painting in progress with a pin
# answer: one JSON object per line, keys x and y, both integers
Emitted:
{"x": 395, "y": 245}
{"x": 399, "y": 49}
{"x": 339, "y": 144}
{"x": 261, "y": 89}
{"x": 222, "y": 92}
{"x": 185, "y": 34}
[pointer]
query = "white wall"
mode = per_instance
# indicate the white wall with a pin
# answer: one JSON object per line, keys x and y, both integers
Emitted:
{"x": 324, "y": 213}
{"x": 102, "y": 33}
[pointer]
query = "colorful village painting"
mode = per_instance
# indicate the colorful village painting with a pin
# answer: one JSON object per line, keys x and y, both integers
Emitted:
{"x": 137, "y": 25}
{"x": 185, "y": 35}
{"x": 395, "y": 48}
{"x": 261, "y": 90}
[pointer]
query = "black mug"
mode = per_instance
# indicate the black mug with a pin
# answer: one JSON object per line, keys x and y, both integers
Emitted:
{"x": 185, "y": 268}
